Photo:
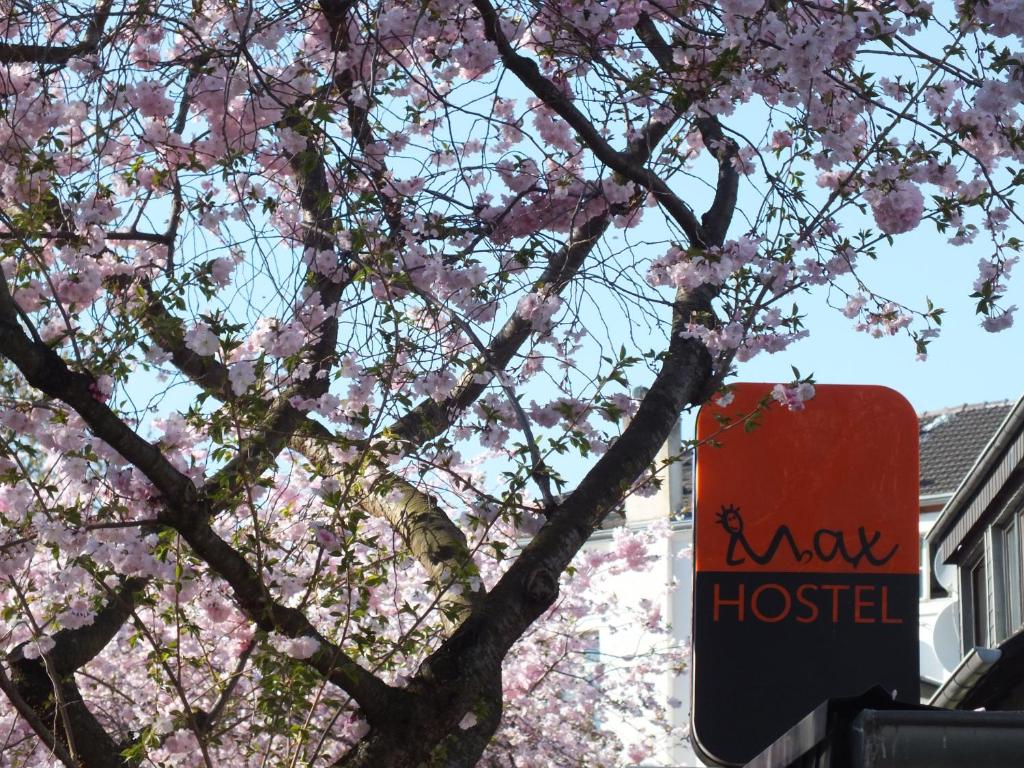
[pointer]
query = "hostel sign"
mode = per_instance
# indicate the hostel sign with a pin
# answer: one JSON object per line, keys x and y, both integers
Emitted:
{"x": 806, "y": 561}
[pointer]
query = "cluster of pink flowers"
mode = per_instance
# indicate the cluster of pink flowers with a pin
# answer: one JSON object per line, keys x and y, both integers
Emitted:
{"x": 297, "y": 648}
{"x": 680, "y": 269}
{"x": 539, "y": 309}
{"x": 888, "y": 320}
{"x": 201, "y": 340}
{"x": 898, "y": 209}
{"x": 793, "y": 396}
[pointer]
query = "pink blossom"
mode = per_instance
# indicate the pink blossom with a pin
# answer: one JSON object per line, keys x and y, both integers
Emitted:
{"x": 241, "y": 375}
{"x": 1003, "y": 15}
{"x": 743, "y": 161}
{"x": 180, "y": 743}
{"x": 898, "y": 210}
{"x": 637, "y": 753}
{"x": 999, "y": 321}
{"x": 100, "y": 393}
{"x": 631, "y": 549}
{"x": 201, "y": 340}
{"x": 220, "y": 271}
{"x": 887, "y": 321}
{"x": 854, "y": 305}
{"x": 78, "y": 614}
{"x": 360, "y": 729}
{"x": 327, "y": 539}
{"x": 781, "y": 140}
{"x": 149, "y": 97}
{"x": 724, "y": 399}
{"x": 38, "y": 646}
{"x": 793, "y": 396}
{"x": 297, "y": 648}
{"x": 537, "y": 309}
{"x": 216, "y": 610}
{"x": 437, "y": 384}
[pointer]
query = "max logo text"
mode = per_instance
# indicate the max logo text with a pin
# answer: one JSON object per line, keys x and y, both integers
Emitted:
{"x": 826, "y": 544}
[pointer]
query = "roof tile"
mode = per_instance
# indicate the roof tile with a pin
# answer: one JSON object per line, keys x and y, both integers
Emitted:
{"x": 952, "y": 440}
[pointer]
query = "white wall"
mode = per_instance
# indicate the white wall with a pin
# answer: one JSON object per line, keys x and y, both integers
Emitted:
{"x": 667, "y": 582}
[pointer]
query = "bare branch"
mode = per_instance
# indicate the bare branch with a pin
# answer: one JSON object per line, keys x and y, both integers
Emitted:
{"x": 22, "y": 53}
{"x": 36, "y": 723}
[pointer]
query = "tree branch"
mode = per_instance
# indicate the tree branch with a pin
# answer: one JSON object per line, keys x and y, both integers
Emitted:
{"x": 715, "y": 222}
{"x": 264, "y": 445}
{"x": 430, "y": 418}
{"x": 42, "y": 684}
{"x": 36, "y": 723}
{"x": 207, "y": 720}
{"x": 428, "y": 532}
{"x": 336, "y": 13}
{"x": 31, "y": 681}
{"x": 46, "y": 371}
{"x": 530, "y": 75}
{"x": 718, "y": 217}
{"x": 530, "y": 585}
{"x": 74, "y": 648}
{"x": 168, "y": 332}
{"x": 24, "y": 53}
{"x": 184, "y": 509}
{"x": 373, "y": 696}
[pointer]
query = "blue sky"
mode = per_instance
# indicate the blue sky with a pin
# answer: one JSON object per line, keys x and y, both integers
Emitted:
{"x": 966, "y": 364}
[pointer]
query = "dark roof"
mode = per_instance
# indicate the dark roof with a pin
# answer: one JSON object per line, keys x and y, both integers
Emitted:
{"x": 952, "y": 440}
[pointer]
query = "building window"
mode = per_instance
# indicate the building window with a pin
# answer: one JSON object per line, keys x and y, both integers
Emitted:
{"x": 1010, "y": 578}
{"x": 979, "y": 603}
{"x": 992, "y": 583}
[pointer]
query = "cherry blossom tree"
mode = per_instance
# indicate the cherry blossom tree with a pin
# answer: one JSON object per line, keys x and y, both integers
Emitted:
{"x": 302, "y": 305}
